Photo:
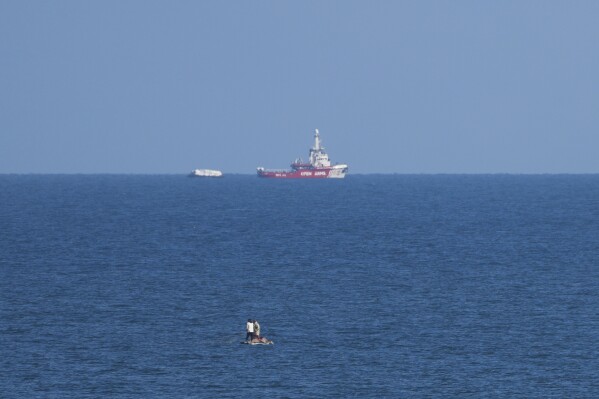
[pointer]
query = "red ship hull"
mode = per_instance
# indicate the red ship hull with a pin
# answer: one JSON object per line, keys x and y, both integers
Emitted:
{"x": 295, "y": 174}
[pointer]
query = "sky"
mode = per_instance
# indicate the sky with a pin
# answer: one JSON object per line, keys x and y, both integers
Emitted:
{"x": 393, "y": 86}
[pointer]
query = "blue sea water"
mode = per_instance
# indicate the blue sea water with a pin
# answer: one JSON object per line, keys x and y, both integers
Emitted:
{"x": 374, "y": 286}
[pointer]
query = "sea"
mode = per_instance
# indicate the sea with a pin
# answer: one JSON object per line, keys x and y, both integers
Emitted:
{"x": 374, "y": 286}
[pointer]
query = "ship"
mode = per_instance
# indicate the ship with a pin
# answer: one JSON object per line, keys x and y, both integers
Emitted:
{"x": 318, "y": 166}
{"x": 206, "y": 173}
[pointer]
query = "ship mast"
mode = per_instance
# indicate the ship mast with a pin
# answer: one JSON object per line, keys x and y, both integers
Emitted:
{"x": 316, "y": 140}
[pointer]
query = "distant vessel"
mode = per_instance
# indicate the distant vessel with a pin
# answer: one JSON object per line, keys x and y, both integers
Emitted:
{"x": 317, "y": 167}
{"x": 206, "y": 173}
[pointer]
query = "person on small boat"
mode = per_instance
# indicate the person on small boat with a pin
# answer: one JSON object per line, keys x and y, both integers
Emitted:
{"x": 256, "y": 329}
{"x": 252, "y": 336}
{"x": 249, "y": 329}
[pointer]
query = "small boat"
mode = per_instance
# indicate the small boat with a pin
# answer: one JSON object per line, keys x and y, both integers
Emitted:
{"x": 206, "y": 173}
{"x": 258, "y": 341}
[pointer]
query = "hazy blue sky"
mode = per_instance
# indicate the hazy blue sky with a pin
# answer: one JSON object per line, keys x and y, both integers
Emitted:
{"x": 393, "y": 86}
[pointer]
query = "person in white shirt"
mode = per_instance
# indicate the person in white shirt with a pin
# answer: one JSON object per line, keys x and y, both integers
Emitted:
{"x": 249, "y": 328}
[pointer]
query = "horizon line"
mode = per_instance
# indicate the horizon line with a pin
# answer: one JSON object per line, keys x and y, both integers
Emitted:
{"x": 253, "y": 174}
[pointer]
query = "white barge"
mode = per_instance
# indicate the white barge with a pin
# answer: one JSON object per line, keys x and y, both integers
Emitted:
{"x": 206, "y": 173}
